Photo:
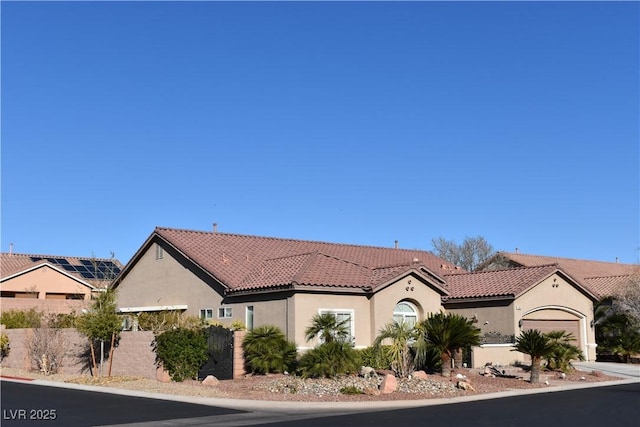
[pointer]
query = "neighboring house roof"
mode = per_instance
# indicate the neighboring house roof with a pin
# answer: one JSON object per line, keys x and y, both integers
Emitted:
{"x": 603, "y": 278}
{"x": 251, "y": 263}
{"x": 90, "y": 271}
{"x": 511, "y": 282}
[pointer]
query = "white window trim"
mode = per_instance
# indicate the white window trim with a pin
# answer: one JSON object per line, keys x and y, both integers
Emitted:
{"x": 249, "y": 308}
{"x": 204, "y": 311}
{"x": 224, "y": 316}
{"x": 403, "y": 314}
{"x": 352, "y": 322}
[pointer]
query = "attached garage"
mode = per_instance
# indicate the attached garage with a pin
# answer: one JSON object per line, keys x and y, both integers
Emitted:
{"x": 544, "y": 326}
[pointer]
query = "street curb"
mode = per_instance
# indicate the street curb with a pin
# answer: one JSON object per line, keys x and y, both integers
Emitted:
{"x": 306, "y": 407}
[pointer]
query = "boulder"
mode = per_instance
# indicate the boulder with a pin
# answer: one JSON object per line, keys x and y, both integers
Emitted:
{"x": 210, "y": 381}
{"x": 368, "y": 372}
{"x": 463, "y": 385}
{"x": 420, "y": 375}
{"x": 162, "y": 375}
{"x": 389, "y": 384}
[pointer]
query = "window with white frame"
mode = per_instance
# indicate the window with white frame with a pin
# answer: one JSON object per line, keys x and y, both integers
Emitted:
{"x": 405, "y": 312}
{"x": 206, "y": 313}
{"x": 225, "y": 312}
{"x": 249, "y": 318}
{"x": 346, "y": 316}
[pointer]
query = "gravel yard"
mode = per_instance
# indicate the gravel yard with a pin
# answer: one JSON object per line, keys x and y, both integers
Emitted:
{"x": 290, "y": 388}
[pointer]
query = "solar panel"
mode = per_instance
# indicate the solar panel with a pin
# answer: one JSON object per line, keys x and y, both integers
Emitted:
{"x": 87, "y": 275}
{"x": 86, "y": 262}
{"x": 62, "y": 261}
{"x": 69, "y": 267}
{"x": 35, "y": 258}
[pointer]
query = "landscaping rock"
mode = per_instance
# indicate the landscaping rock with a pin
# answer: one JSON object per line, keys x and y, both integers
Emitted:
{"x": 389, "y": 384}
{"x": 210, "y": 381}
{"x": 422, "y": 375}
{"x": 463, "y": 385}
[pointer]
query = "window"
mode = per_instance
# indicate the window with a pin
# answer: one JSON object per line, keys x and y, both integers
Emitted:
{"x": 159, "y": 252}
{"x": 343, "y": 315}
{"x": 225, "y": 312}
{"x": 206, "y": 313}
{"x": 405, "y": 312}
{"x": 249, "y": 318}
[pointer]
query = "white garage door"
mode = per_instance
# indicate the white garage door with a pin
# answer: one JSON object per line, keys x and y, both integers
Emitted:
{"x": 544, "y": 326}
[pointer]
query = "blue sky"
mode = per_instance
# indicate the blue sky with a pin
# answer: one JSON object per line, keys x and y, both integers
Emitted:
{"x": 359, "y": 122}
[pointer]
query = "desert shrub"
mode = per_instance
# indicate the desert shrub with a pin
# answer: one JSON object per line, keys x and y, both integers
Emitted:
{"x": 351, "y": 389}
{"x": 16, "y": 319}
{"x": 46, "y": 350}
{"x": 329, "y": 360}
{"x": 266, "y": 350}
{"x": 61, "y": 320}
{"x": 5, "y": 348}
{"x": 181, "y": 352}
{"x": 375, "y": 357}
{"x": 161, "y": 321}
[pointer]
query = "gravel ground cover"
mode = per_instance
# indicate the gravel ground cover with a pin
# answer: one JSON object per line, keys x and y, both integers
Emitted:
{"x": 291, "y": 388}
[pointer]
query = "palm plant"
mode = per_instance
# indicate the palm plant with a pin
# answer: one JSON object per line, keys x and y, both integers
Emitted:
{"x": 329, "y": 359}
{"x": 267, "y": 350}
{"x": 444, "y": 333}
{"x": 538, "y": 346}
{"x": 402, "y": 336}
{"x": 562, "y": 351}
{"x": 328, "y": 328}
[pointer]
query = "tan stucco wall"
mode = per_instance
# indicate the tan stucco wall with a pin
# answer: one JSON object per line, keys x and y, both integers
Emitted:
{"x": 562, "y": 302}
{"x": 490, "y": 319}
{"x": 369, "y": 315}
{"x": 497, "y": 355}
{"x": 420, "y": 294}
{"x": 165, "y": 282}
{"x": 46, "y": 280}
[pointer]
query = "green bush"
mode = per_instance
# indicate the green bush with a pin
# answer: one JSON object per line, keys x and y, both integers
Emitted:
{"x": 181, "y": 352}
{"x": 329, "y": 360}
{"x": 377, "y": 358}
{"x": 61, "y": 320}
{"x": 351, "y": 389}
{"x": 5, "y": 348}
{"x": 160, "y": 321}
{"x": 16, "y": 319}
{"x": 266, "y": 350}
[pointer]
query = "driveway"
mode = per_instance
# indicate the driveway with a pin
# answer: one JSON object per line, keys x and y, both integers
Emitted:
{"x": 624, "y": 370}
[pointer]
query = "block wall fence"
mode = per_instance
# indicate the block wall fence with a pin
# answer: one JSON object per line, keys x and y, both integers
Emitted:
{"x": 134, "y": 355}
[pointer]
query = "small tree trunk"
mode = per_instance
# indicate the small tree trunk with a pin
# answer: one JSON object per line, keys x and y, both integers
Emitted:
{"x": 535, "y": 370}
{"x": 457, "y": 358}
{"x": 113, "y": 341}
{"x": 446, "y": 364}
{"x": 93, "y": 359}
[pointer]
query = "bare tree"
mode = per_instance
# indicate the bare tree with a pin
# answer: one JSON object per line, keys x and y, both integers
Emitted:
{"x": 628, "y": 300}
{"x": 469, "y": 255}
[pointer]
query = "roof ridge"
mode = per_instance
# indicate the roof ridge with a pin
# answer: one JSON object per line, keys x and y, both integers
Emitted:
{"x": 506, "y": 269}
{"x": 565, "y": 258}
{"x": 291, "y": 239}
{"x": 608, "y": 276}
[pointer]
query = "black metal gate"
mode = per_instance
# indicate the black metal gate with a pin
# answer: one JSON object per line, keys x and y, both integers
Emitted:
{"x": 220, "y": 363}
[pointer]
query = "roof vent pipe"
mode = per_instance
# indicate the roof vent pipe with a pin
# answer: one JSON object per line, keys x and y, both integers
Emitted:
{"x": 516, "y": 250}
{"x": 10, "y": 248}
{"x": 396, "y": 244}
{"x": 215, "y": 227}
{"x": 617, "y": 260}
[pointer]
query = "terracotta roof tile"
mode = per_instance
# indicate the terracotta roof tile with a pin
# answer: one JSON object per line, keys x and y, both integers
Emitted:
{"x": 509, "y": 282}
{"x": 250, "y": 262}
{"x": 580, "y": 269}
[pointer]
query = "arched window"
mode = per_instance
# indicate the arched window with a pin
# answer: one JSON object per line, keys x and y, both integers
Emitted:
{"x": 405, "y": 312}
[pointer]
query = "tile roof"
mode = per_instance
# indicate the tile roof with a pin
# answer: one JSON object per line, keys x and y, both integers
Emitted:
{"x": 510, "y": 282}
{"x": 244, "y": 262}
{"x": 13, "y": 263}
{"x": 591, "y": 274}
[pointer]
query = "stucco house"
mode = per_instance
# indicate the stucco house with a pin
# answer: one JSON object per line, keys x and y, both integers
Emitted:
{"x": 282, "y": 282}
{"x": 52, "y": 283}
{"x": 506, "y": 302}
{"x": 285, "y": 282}
{"x": 602, "y": 278}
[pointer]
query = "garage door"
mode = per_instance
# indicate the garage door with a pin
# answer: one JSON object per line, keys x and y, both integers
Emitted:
{"x": 544, "y": 326}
